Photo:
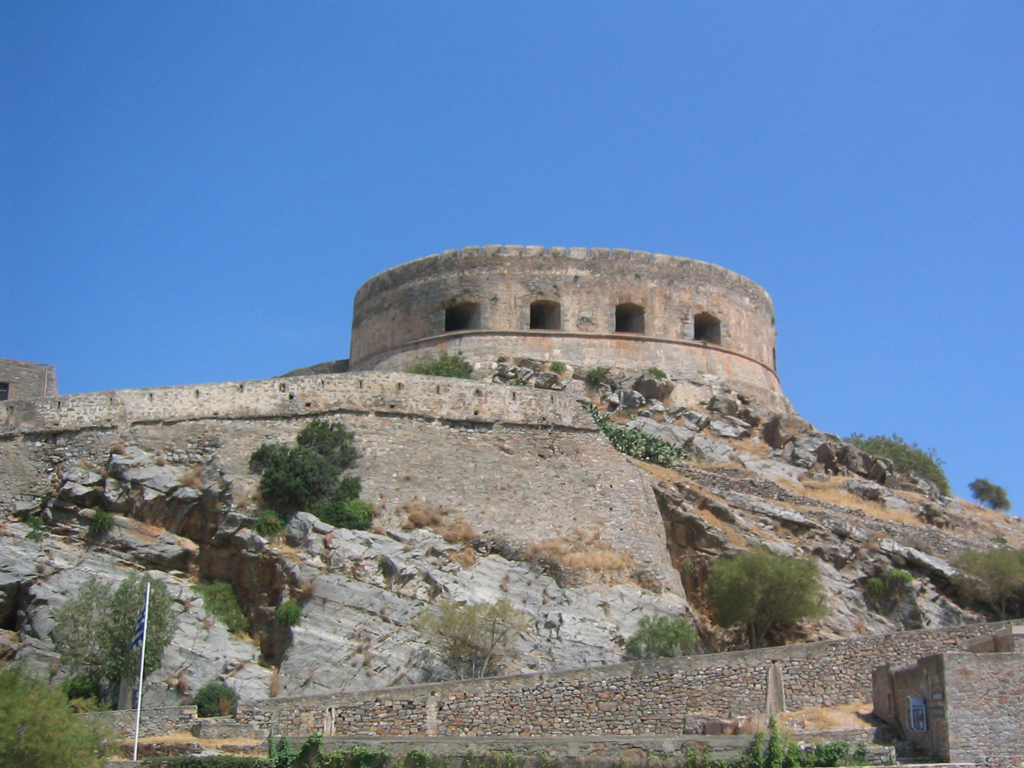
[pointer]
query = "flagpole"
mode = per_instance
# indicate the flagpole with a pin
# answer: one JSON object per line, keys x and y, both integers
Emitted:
{"x": 142, "y": 661}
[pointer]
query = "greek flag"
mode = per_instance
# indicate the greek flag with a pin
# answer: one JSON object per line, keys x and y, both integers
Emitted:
{"x": 140, "y": 631}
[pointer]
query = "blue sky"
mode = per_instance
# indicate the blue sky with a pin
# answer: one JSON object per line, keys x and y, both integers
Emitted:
{"x": 193, "y": 192}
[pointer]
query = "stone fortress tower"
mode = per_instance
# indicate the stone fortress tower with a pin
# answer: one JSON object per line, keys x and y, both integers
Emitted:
{"x": 585, "y": 307}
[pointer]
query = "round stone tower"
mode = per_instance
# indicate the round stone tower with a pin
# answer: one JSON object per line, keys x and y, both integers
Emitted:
{"x": 585, "y": 307}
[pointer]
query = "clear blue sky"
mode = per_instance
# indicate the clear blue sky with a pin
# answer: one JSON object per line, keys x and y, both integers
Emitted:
{"x": 192, "y": 192}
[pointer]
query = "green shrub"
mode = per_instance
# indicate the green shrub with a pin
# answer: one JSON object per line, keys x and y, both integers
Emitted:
{"x": 906, "y": 458}
{"x": 637, "y": 443}
{"x": 39, "y": 730}
{"x": 212, "y": 761}
{"x": 220, "y": 600}
{"x": 308, "y": 474}
{"x": 215, "y": 699}
{"x": 899, "y": 577}
{"x": 35, "y": 523}
{"x": 558, "y": 367}
{"x": 989, "y": 494}
{"x": 354, "y": 514}
{"x": 657, "y": 373}
{"x": 595, "y": 377}
{"x": 268, "y": 523}
{"x": 453, "y": 366}
{"x": 101, "y": 523}
{"x": 876, "y": 588}
{"x": 764, "y": 592}
{"x": 661, "y": 637}
{"x": 288, "y": 613}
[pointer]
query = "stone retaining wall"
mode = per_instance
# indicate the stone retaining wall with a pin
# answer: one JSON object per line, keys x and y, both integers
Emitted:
{"x": 653, "y": 697}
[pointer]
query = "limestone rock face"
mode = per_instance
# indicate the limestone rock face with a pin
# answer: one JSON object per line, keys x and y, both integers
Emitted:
{"x": 475, "y": 502}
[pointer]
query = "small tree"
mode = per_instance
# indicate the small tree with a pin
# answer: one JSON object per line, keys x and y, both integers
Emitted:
{"x": 661, "y": 637}
{"x": 989, "y": 494}
{"x": 473, "y": 637}
{"x": 94, "y": 630}
{"x": 994, "y": 577}
{"x": 764, "y": 592}
{"x": 39, "y": 730}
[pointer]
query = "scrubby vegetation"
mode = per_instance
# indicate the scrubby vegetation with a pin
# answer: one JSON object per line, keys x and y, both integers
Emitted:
{"x": 661, "y": 637}
{"x": 453, "y": 366}
{"x": 268, "y": 523}
{"x": 637, "y": 443}
{"x": 764, "y": 593}
{"x": 767, "y": 750}
{"x": 101, "y": 523}
{"x": 220, "y": 600}
{"x": 906, "y": 458}
{"x": 558, "y": 367}
{"x": 39, "y": 730}
{"x": 288, "y": 613}
{"x": 473, "y": 639}
{"x": 995, "y": 578}
{"x": 215, "y": 699}
{"x": 595, "y": 377}
{"x": 308, "y": 476}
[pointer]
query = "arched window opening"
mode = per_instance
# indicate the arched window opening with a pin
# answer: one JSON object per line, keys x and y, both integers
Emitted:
{"x": 629, "y": 318}
{"x": 545, "y": 316}
{"x": 707, "y": 327}
{"x": 462, "y": 317}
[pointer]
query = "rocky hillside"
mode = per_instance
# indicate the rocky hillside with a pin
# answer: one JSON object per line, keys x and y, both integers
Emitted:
{"x": 183, "y": 506}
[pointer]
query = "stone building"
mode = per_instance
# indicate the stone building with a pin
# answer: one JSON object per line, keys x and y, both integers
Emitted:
{"x": 585, "y": 307}
{"x": 21, "y": 381}
{"x": 962, "y": 706}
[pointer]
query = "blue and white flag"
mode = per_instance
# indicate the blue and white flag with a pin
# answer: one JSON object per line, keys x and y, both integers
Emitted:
{"x": 140, "y": 631}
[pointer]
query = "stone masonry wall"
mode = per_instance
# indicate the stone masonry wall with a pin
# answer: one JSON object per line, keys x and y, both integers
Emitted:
{"x": 401, "y": 312}
{"x": 27, "y": 380}
{"x": 627, "y": 699}
{"x": 984, "y": 694}
{"x": 517, "y": 464}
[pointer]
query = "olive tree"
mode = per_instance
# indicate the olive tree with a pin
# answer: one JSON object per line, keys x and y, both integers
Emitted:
{"x": 94, "y": 629}
{"x": 988, "y": 493}
{"x": 994, "y": 577}
{"x": 764, "y": 592}
{"x": 472, "y": 638}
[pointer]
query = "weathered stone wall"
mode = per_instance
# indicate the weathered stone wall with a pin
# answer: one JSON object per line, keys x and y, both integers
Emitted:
{"x": 664, "y": 696}
{"x": 159, "y": 721}
{"x": 984, "y": 693}
{"x": 400, "y": 313}
{"x": 385, "y": 394}
{"x": 518, "y": 464}
{"x": 27, "y": 380}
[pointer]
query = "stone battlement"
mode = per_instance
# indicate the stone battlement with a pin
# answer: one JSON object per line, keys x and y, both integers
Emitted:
{"x": 426, "y": 397}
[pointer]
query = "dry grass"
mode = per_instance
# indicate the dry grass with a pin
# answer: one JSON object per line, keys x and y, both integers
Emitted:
{"x": 458, "y": 531}
{"x": 831, "y": 492}
{"x": 193, "y": 478}
{"x": 275, "y": 683}
{"x": 420, "y": 514}
{"x": 464, "y": 558}
{"x": 828, "y": 718}
{"x": 582, "y": 552}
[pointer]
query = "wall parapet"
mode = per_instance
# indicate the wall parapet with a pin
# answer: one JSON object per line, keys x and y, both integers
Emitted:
{"x": 388, "y": 394}
{"x": 643, "y": 697}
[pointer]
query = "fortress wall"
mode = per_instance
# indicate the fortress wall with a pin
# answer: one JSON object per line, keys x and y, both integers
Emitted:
{"x": 650, "y": 697}
{"x": 27, "y": 380}
{"x": 588, "y": 351}
{"x": 395, "y": 393}
{"x": 407, "y": 304}
{"x": 518, "y": 464}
